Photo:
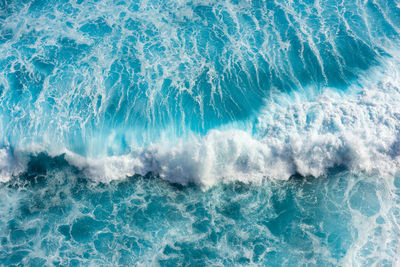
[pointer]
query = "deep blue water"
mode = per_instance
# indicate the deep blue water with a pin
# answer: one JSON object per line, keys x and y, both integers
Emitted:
{"x": 199, "y": 133}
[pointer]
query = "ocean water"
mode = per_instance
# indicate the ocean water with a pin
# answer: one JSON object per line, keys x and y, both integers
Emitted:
{"x": 203, "y": 132}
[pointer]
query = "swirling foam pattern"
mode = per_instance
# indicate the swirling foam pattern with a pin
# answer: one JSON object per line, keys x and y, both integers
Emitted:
{"x": 242, "y": 105}
{"x": 53, "y": 216}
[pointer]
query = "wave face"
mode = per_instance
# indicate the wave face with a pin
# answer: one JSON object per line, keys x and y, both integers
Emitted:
{"x": 275, "y": 122}
{"x": 158, "y": 86}
{"x": 103, "y": 77}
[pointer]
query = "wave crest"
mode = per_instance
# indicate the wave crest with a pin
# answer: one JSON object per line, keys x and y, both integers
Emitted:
{"x": 356, "y": 131}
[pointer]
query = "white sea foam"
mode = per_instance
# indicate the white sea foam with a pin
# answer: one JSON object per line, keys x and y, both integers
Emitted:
{"x": 11, "y": 164}
{"x": 81, "y": 105}
{"x": 357, "y": 130}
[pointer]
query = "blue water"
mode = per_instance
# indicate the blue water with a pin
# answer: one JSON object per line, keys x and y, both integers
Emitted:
{"x": 51, "y": 215}
{"x": 199, "y": 133}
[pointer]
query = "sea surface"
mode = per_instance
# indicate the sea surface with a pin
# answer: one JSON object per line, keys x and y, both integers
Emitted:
{"x": 199, "y": 133}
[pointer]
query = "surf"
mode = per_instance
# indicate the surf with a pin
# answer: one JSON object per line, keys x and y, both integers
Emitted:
{"x": 128, "y": 80}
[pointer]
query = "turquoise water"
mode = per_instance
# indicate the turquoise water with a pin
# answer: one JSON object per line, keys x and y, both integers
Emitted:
{"x": 199, "y": 133}
{"x": 100, "y": 77}
{"x": 53, "y": 216}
